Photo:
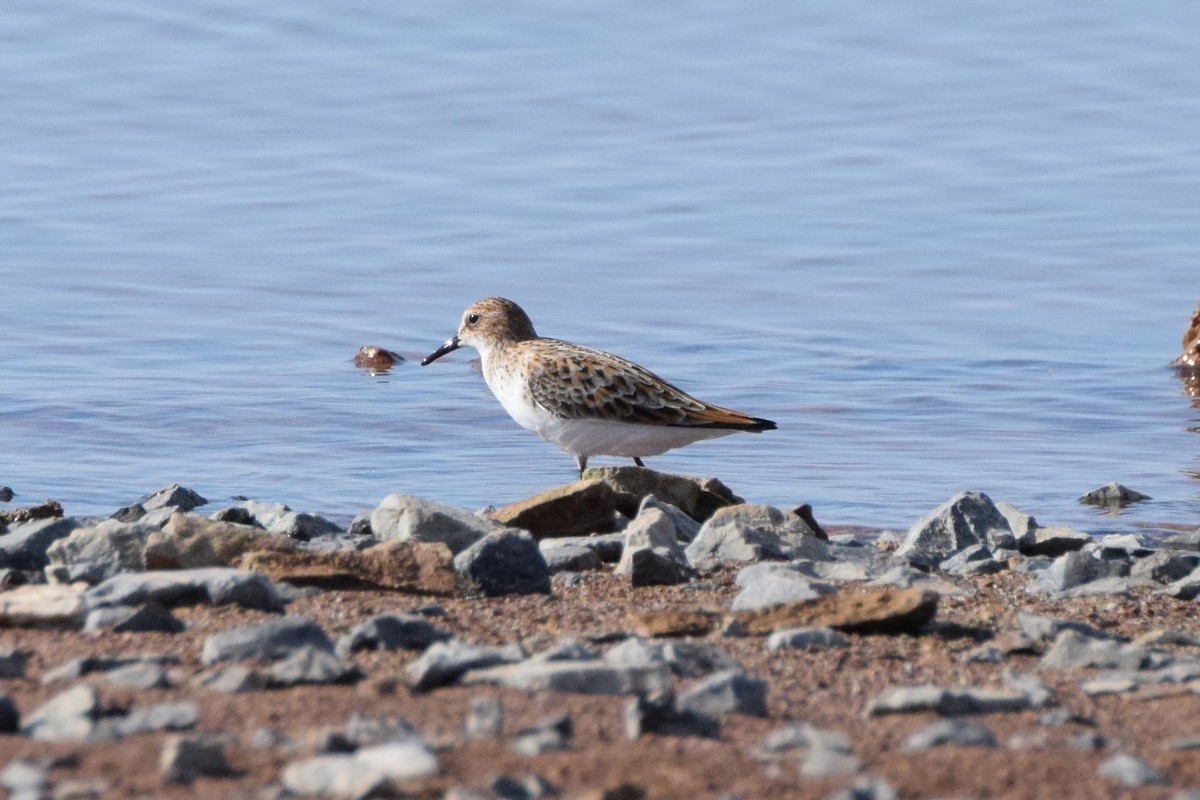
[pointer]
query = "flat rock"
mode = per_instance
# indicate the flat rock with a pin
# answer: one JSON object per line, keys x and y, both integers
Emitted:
{"x": 956, "y": 731}
{"x": 1073, "y": 650}
{"x": 68, "y": 716}
{"x": 444, "y": 663}
{"x": 568, "y": 557}
{"x": 947, "y": 702}
{"x": 185, "y": 758}
{"x": 583, "y": 677}
{"x": 726, "y": 692}
{"x": 182, "y": 715}
{"x": 507, "y": 562}
{"x": 93, "y": 554}
{"x": 675, "y": 622}
{"x": 1052, "y": 542}
{"x": 25, "y": 546}
{"x": 398, "y": 565}
{"x": 312, "y": 665}
{"x": 585, "y": 506}
{"x": 207, "y": 585}
{"x": 752, "y": 532}
{"x": 43, "y": 606}
{"x": 392, "y": 632}
{"x": 806, "y": 639}
{"x": 269, "y": 641}
{"x": 409, "y": 518}
{"x": 188, "y": 541}
{"x": 1112, "y": 495}
{"x": 368, "y": 772}
{"x": 860, "y": 610}
{"x": 1130, "y": 770}
{"x": 145, "y": 618}
{"x": 778, "y": 587}
{"x": 969, "y": 518}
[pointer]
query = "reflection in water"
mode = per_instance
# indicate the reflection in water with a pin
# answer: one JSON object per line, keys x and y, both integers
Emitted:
{"x": 1187, "y": 366}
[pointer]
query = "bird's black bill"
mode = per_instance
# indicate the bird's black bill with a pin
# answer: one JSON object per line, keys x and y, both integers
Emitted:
{"x": 449, "y": 347}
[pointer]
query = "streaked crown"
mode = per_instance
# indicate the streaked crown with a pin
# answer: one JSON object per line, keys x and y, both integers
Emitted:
{"x": 493, "y": 321}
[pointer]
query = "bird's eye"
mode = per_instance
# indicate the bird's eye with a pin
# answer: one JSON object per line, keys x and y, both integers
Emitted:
{"x": 472, "y": 319}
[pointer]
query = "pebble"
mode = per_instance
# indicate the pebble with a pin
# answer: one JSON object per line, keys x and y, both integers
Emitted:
{"x": 779, "y": 587}
{"x": 146, "y": 618}
{"x": 392, "y": 632}
{"x": 568, "y": 557}
{"x": 185, "y": 758}
{"x": 1076, "y": 568}
{"x": 583, "y": 677}
{"x": 1112, "y": 495}
{"x": 553, "y": 733}
{"x": 312, "y": 665}
{"x": 1073, "y": 650}
{"x": 173, "y": 496}
{"x": 93, "y": 554}
{"x": 68, "y": 716}
{"x": 485, "y": 720}
{"x": 750, "y": 532}
{"x": 406, "y": 517}
{"x": 806, "y": 639}
{"x": 12, "y": 662}
{"x": 948, "y": 702}
{"x": 10, "y": 718}
{"x": 443, "y": 663}
{"x": 24, "y": 546}
{"x": 968, "y": 518}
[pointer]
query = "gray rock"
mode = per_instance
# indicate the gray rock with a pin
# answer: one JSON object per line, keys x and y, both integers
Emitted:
{"x": 28, "y": 777}
{"x": 176, "y": 716}
{"x": 25, "y": 546}
{"x": 68, "y": 716}
{"x": 1109, "y": 585}
{"x": 312, "y": 665}
{"x": 969, "y": 518}
{"x": 1129, "y": 770}
{"x": 269, "y": 641}
{"x": 1020, "y": 523}
{"x": 444, "y": 663}
{"x": 566, "y": 650}
{"x": 960, "y": 732}
{"x": 581, "y": 677}
{"x": 208, "y": 585}
{"x": 94, "y": 554}
{"x": 1166, "y": 566}
{"x": 750, "y": 532}
{"x": 779, "y": 587}
{"x": 1047, "y": 629}
{"x": 12, "y": 662}
{"x": 645, "y": 714}
{"x": 139, "y": 675}
{"x": 367, "y": 773}
{"x": 1112, "y": 495}
{"x": 10, "y": 718}
{"x": 362, "y": 730}
{"x": 947, "y": 702}
{"x": 652, "y": 554}
{"x": 867, "y": 787}
{"x": 806, "y": 639}
{"x": 905, "y": 577}
{"x": 174, "y": 497}
{"x": 1075, "y": 569}
{"x": 1123, "y": 546}
{"x": 505, "y": 787}
{"x": 686, "y": 528}
{"x": 1073, "y": 650}
{"x": 485, "y": 720}
{"x": 6, "y": 494}
{"x": 1053, "y": 541}
{"x": 1187, "y": 540}
{"x": 553, "y": 733}
{"x": 392, "y": 632}
{"x": 1185, "y": 588}
{"x": 407, "y": 517}
{"x": 78, "y": 667}
{"x": 568, "y": 557}
{"x": 185, "y": 758}
{"x": 974, "y": 560}
{"x": 607, "y": 546}
{"x": 507, "y": 562}
{"x": 146, "y": 618}
{"x": 727, "y": 692}
{"x": 232, "y": 679}
{"x": 692, "y": 659}
{"x": 819, "y": 763}
{"x": 802, "y": 736}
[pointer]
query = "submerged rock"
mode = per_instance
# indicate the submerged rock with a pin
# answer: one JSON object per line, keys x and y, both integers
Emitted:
{"x": 1112, "y": 496}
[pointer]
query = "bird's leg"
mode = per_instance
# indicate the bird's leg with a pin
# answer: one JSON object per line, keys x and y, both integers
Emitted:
{"x": 637, "y": 460}
{"x": 581, "y": 462}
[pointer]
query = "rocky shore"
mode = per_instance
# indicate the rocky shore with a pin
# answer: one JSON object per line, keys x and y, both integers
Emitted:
{"x": 630, "y": 635}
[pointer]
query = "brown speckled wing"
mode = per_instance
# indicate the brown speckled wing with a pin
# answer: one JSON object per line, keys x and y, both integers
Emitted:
{"x": 581, "y": 383}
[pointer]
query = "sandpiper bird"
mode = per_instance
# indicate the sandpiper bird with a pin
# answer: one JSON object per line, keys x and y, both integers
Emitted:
{"x": 585, "y": 401}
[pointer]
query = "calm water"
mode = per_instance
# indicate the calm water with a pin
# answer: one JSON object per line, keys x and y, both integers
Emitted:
{"x": 944, "y": 247}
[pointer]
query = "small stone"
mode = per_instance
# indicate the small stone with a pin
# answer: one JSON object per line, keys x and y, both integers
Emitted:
{"x": 947, "y": 702}
{"x": 268, "y": 641}
{"x": 778, "y": 587}
{"x": 1166, "y": 566}
{"x": 43, "y": 606}
{"x": 974, "y": 560}
{"x": 582, "y": 677}
{"x": 232, "y": 679}
{"x": 176, "y": 716}
{"x": 173, "y": 496}
{"x": 140, "y": 675}
{"x": 550, "y": 734}
{"x": 69, "y": 716}
{"x": 652, "y": 555}
{"x": 1130, "y": 771}
{"x": 146, "y": 618}
{"x": 185, "y": 758}
{"x": 1075, "y": 569}
{"x": 568, "y": 557}
{"x": 485, "y": 719}
{"x": 396, "y": 565}
{"x": 312, "y": 665}
{"x": 25, "y": 545}
{"x": 727, "y": 692}
{"x": 819, "y": 763}
{"x": 867, "y": 788}
{"x": 674, "y": 622}
{"x": 10, "y": 718}
{"x": 806, "y": 639}
{"x": 1112, "y": 495}
{"x": 750, "y": 532}
{"x": 409, "y": 518}
{"x": 1185, "y": 588}
{"x": 1072, "y": 650}
{"x": 502, "y": 563}
{"x": 6, "y": 494}
{"x": 392, "y": 632}
{"x": 1053, "y": 541}
{"x": 12, "y": 662}
{"x": 860, "y": 611}
{"x": 210, "y": 585}
{"x": 646, "y": 714}
{"x": 444, "y": 663}
{"x": 969, "y": 518}
{"x": 959, "y": 732}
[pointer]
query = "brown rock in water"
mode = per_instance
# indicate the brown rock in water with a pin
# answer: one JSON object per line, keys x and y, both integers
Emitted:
{"x": 51, "y": 509}
{"x": 588, "y": 505}
{"x": 674, "y": 622}
{"x": 864, "y": 611}
{"x": 402, "y": 566}
{"x": 376, "y": 359}
{"x": 188, "y": 541}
